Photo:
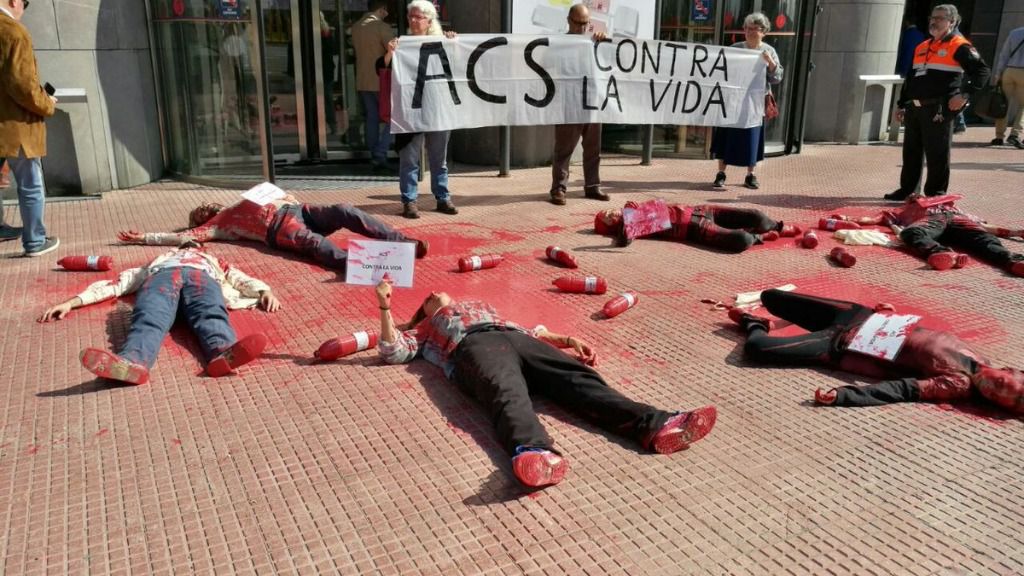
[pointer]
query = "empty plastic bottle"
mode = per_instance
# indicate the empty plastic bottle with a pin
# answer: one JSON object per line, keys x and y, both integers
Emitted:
{"x": 620, "y": 304}
{"x": 810, "y": 239}
{"x": 837, "y": 224}
{"x": 470, "y": 263}
{"x": 840, "y": 256}
{"x": 581, "y": 284}
{"x": 344, "y": 345}
{"x": 86, "y": 262}
{"x": 562, "y": 257}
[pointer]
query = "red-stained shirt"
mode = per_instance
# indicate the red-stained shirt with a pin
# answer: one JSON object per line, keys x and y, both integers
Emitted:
{"x": 912, "y": 213}
{"x": 243, "y": 220}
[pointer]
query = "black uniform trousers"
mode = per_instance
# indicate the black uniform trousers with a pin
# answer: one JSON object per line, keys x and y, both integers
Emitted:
{"x": 500, "y": 369}
{"x": 729, "y": 229}
{"x": 929, "y": 236}
{"x": 923, "y": 137}
{"x": 824, "y": 318}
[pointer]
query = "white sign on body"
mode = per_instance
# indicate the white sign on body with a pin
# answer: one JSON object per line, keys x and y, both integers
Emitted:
{"x": 479, "y": 80}
{"x": 883, "y": 335}
{"x": 369, "y": 260}
{"x": 263, "y": 194}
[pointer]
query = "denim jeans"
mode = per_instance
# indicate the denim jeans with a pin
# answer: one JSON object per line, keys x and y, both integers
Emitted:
{"x": 28, "y": 176}
{"x": 437, "y": 158}
{"x": 304, "y": 229}
{"x": 156, "y": 306}
{"x": 378, "y": 136}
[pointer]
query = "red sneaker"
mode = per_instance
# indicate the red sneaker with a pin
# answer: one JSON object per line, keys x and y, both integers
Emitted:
{"x": 242, "y": 352}
{"x": 682, "y": 430}
{"x": 770, "y": 236}
{"x": 537, "y": 468}
{"x": 1017, "y": 268}
{"x": 112, "y": 367}
{"x": 825, "y": 398}
{"x": 743, "y": 318}
{"x": 789, "y": 231}
{"x": 942, "y": 260}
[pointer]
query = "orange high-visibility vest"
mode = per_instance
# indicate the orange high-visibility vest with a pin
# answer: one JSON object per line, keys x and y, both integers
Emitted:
{"x": 932, "y": 55}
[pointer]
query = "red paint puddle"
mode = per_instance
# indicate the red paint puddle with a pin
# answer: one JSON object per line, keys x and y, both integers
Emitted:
{"x": 102, "y": 432}
{"x": 973, "y": 411}
{"x": 953, "y": 287}
{"x": 448, "y": 241}
{"x": 553, "y": 229}
{"x": 175, "y": 442}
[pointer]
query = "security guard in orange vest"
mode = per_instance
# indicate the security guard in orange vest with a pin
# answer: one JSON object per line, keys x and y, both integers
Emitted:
{"x": 946, "y": 70}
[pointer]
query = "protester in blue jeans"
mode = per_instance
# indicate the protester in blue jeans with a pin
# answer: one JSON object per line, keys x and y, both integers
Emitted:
{"x": 23, "y": 107}
{"x": 185, "y": 279}
{"x": 422, "y": 18}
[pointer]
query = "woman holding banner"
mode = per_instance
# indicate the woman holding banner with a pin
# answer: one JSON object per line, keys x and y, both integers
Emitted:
{"x": 422, "y": 17}
{"x": 745, "y": 146}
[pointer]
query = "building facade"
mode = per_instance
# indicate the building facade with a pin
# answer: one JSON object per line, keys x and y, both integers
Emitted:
{"x": 237, "y": 91}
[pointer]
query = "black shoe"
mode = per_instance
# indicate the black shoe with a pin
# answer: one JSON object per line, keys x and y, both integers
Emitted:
{"x": 558, "y": 197}
{"x": 996, "y": 141}
{"x": 1015, "y": 142}
{"x": 896, "y": 196}
{"x": 447, "y": 207}
{"x": 939, "y": 193}
{"x": 410, "y": 210}
{"x": 719, "y": 183}
{"x": 621, "y": 239}
{"x": 382, "y": 169}
{"x": 959, "y": 129}
{"x": 49, "y": 245}
{"x": 594, "y": 193}
{"x": 751, "y": 182}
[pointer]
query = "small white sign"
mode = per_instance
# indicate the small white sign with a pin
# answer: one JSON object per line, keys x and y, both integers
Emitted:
{"x": 263, "y": 194}
{"x": 369, "y": 260}
{"x": 882, "y": 335}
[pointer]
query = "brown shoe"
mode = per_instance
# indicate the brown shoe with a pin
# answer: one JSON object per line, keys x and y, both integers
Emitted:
{"x": 421, "y": 248}
{"x": 446, "y": 207}
{"x": 409, "y": 210}
{"x": 594, "y": 193}
{"x": 558, "y": 197}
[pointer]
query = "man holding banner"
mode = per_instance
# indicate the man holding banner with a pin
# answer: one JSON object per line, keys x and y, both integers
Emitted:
{"x": 567, "y": 136}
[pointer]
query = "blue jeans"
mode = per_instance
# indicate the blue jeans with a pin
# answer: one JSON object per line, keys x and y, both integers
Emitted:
{"x": 378, "y": 137}
{"x": 157, "y": 304}
{"x": 304, "y": 228}
{"x": 437, "y": 158}
{"x": 28, "y": 176}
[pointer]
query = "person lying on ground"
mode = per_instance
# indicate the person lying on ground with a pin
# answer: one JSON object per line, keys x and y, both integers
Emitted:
{"x": 934, "y": 228}
{"x": 286, "y": 224}
{"x": 931, "y": 365}
{"x": 499, "y": 363}
{"x": 188, "y": 280}
{"x": 722, "y": 227}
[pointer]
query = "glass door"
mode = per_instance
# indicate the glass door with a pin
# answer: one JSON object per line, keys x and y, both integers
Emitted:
{"x": 281, "y": 35}
{"x": 786, "y": 19}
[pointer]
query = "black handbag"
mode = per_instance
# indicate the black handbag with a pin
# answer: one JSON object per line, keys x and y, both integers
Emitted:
{"x": 990, "y": 103}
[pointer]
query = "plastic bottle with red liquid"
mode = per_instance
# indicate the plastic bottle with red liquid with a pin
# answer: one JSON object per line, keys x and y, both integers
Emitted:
{"x": 561, "y": 256}
{"x": 810, "y": 239}
{"x": 344, "y": 345}
{"x": 471, "y": 263}
{"x": 837, "y": 224}
{"x": 840, "y": 256}
{"x": 581, "y": 284}
{"x": 86, "y": 262}
{"x": 620, "y": 304}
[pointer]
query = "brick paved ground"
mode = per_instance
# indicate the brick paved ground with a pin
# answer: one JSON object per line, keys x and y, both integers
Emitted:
{"x": 355, "y": 467}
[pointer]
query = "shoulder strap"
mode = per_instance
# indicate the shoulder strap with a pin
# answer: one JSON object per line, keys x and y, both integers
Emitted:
{"x": 1019, "y": 44}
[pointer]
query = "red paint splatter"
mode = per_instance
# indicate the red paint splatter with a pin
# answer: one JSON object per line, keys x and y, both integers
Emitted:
{"x": 32, "y": 449}
{"x": 977, "y": 412}
{"x": 102, "y": 432}
{"x": 459, "y": 431}
{"x": 534, "y": 495}
{"x": 176, "y": 441}
{"x": 553, "y": 229}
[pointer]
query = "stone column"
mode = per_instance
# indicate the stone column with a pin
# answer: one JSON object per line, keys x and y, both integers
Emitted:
{"x": 853, "y": 37}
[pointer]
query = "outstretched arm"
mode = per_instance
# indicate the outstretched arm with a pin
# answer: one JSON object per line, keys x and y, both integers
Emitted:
{"x": 59, "y": 311}
{"x": 876, "y": 220}
{"x": 394, "y": 347}
{"x": 1003, "y": 232}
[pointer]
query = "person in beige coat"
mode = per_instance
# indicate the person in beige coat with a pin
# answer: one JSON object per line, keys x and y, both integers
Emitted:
{"x": 23, "y": 106}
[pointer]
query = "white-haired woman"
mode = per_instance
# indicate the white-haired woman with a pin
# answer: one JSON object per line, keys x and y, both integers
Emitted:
{"x": 745, "y": 146}
{"x": 422, "y": 18}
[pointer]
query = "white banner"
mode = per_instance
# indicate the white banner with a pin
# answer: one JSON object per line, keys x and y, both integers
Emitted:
{"x": 494, "y": 80}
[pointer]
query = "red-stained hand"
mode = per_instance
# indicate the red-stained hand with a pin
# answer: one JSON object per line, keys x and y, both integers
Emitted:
{"x": 269, "y": 302}
{"x": 584, "y": 352}
{"x": 131, "y": 237}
